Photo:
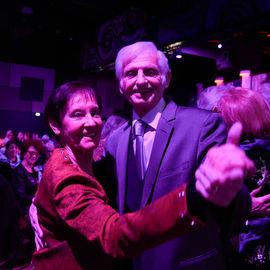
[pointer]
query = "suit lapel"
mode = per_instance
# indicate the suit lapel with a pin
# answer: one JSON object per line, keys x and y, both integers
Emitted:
{"x": 162, "y": 139}
{"x": 121, "y": 165}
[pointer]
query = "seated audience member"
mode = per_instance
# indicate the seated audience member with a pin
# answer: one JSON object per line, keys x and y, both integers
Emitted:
{"x": 25, "y": 178}
{"x": 112, "y": 123}
{"x": 20, "y": 136}
{"x": 11, "y": 154}
{"x": 49, "y": 147}
{"x": 35, "y": 136}
{"x": 25, "y": 183}
{"x": 210, "y": 96}
{"x": 249, "y": 108}
{"x": 27, "y": 136}
{"x": 81, "y": 230}
{"x": 45, "y": 138}
{"x": 10, "y": 135}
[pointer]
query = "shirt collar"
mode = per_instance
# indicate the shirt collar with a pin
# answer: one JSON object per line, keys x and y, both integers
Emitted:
{"x": 153, "y": 116}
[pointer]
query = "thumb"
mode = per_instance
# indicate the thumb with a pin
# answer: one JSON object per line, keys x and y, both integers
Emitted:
{"x": 234, "y": 133}
{"x": 255, "y": 191}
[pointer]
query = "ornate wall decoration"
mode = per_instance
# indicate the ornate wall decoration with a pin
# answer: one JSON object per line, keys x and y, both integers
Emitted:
{"x": 112, "y": 35}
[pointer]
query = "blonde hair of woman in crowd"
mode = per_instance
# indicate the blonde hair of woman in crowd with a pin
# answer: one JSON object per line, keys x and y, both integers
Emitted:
{"x": 248, "y": 107}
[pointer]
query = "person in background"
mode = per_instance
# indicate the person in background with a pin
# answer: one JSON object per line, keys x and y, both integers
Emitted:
{"x": 45, "y": 138}
{"x": 25, "y": 182}
{"x": 20, "y": 136}
{"x": 27, "y": 136}
{"x": 249, "y": 108}
{"x": 81, "y": 230}
{"x": 209, "y": 97}
{"x": 49, "y": 147}
{"x": 10, "y": 135}
{"x": 35, "y": 136}
{"x": 112, "y": 123}
{"x": 25, "y": 178}
{"x": 11, "y": 154}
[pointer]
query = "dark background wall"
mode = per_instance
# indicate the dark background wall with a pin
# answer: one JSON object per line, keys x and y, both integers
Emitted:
{"x": 58, "y": 41}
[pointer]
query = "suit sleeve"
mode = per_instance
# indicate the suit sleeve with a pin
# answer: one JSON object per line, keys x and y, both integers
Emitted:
{"x": 213, "y": 133}
{"x": 233, "y": 217}
{"x": 81, "y": 204}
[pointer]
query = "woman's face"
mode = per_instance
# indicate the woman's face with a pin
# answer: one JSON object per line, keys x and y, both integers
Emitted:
{"x": 81, "y": 123}
{"x": 12, "y": 151}
{"x": 10, "y": 135}
{"x": 31, "y": 155}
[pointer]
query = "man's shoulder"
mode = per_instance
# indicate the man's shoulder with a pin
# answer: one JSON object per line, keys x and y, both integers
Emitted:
{"x": 114, "y": 136}
{"x": 190, "y": 114}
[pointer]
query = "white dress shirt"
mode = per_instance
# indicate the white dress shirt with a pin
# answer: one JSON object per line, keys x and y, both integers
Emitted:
{"x": 152, "y": 119}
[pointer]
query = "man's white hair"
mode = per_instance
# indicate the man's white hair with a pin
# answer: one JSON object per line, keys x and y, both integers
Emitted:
{"x": 132, "y": 51}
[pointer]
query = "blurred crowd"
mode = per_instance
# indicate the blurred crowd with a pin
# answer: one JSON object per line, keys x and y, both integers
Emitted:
{"x": 22, "y": 159}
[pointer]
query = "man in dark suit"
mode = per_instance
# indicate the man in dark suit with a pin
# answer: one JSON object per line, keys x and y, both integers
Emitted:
{"x": 175, "y": 142}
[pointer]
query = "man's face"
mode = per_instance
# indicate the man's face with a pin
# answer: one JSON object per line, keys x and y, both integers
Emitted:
{"x": 142, "y": 82}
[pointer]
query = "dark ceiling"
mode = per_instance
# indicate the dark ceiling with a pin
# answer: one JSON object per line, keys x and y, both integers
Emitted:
{"x": 53, "y": 33}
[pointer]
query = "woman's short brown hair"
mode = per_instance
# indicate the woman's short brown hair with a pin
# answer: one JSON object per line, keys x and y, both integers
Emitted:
{"x": 60, "y": 97}
{"x": 248, "y": 107}
{"x": 31, "y": 142}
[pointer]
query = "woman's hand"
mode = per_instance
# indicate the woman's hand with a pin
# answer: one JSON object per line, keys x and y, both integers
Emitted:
{"x": 39, "y": 237}
{"x": 260, "y": 205}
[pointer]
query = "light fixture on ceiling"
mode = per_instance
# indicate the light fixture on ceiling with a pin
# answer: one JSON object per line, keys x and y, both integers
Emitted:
{"x": 219, "y": 81}
{"x": 245, "y": 78}
{"x": 219, "y": 45}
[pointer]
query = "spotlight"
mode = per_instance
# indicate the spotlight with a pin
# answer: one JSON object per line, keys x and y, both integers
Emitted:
{"x": 219, "y": 81}
{"x": 245, "y": 78}
{"x": 179, "y": 56}
{"x": 219, "y": 45}
{"x": 37, "y": 114}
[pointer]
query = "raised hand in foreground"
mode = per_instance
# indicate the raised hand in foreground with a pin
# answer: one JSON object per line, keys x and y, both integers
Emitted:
{"x": 221, "y": 175}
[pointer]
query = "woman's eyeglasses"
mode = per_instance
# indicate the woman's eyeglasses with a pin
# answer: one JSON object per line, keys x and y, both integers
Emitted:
{"x": 32, "y": 154}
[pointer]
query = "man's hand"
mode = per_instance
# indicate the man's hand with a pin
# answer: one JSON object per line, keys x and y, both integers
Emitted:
{"x": 220, "y": 177}
{"x": 39, "y": 237}
{"x": 260, "y": 205}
